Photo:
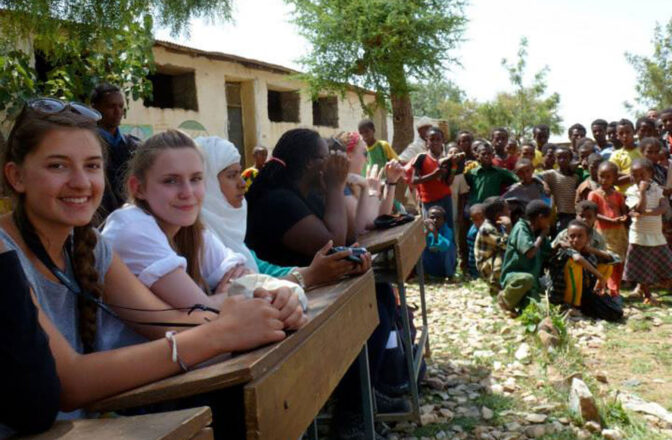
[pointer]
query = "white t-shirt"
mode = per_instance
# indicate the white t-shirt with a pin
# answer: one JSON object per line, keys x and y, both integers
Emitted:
{"x": 139, "y": 241}
{"x": 416, "y": 147}
{"x": 646, "y": 230}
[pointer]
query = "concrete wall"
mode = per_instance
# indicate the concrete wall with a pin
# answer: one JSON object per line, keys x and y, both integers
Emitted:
{"x": 211, "y": 118}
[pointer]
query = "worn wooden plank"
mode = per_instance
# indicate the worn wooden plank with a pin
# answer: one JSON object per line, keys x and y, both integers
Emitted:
{"x": 174, "y": 425}
{"x": 282, "y": 403}
{"x": 383, "y": 239}
{"x": 242, "y": 368}
{"x": 205, "y": 434}
{"x": 408, "y": 249}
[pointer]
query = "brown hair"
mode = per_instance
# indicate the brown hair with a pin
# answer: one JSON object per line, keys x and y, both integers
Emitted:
{"x": 27, "y": 133}
{"x": 188, "y": 242}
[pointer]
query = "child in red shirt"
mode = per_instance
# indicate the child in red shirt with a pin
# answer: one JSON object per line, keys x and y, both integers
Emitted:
{"x": 433, "y": 175}
{"x": 612, "y": 216}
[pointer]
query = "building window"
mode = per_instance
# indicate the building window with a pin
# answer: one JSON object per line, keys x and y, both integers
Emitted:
{"x": 283, "y": 106}
{"x": 325, "y": 111}
{"x": 173, "y": 88}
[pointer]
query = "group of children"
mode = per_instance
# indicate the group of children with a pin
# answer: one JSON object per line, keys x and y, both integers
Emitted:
{"x": 184, "y": 241}
{"x": 575, "y": 220}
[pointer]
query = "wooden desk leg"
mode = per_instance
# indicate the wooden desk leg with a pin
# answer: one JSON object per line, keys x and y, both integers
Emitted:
{"x": 408, "y": 349}
{"x": 423, "y": 306}
{"x": 367, "y": 398}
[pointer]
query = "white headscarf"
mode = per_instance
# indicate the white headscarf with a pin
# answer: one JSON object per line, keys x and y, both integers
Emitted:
{"x": 228, "y": 223}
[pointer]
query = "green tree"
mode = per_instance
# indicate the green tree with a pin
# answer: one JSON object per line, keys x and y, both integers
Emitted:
{"x": 379, "y": 45}
{"x": 519, "y": 110}
{"x": 427, "y": 97}
{"x": 79, "y": 43}
{"x": 654, "y": 74}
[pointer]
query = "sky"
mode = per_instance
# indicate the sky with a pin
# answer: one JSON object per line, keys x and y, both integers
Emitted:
{"x": 583, "y": 43}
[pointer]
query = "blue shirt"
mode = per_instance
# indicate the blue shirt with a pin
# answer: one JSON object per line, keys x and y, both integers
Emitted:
{"x": 606, "y": 151}
{"x": 113, "y": 140}
{"x": 471, "y": 240}
{"x": 440, "y": 257}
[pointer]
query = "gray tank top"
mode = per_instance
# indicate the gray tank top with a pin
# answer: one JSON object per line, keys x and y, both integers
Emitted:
{"x": 60, "y": 305}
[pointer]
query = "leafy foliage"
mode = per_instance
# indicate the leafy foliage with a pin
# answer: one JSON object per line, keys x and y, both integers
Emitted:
{"x": 428, "y": 97}
{"x": 519, "y": 110}
{"x": 654, "y": 74}
{"x": 63, "y": 48}
{"x": 378, "y": 45}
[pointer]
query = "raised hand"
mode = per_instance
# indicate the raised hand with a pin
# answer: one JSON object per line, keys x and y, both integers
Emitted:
{"x": 336, "y": 170}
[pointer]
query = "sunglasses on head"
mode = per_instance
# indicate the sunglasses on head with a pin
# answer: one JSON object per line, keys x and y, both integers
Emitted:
{"x": 51, "y": 106}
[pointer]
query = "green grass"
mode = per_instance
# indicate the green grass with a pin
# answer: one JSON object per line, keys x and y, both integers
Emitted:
{"x": 431, "y": 430}
{"x": 639, "y": 325}
{"x": 497, "y": 403}
{"x": 466, "y": 423}
{"x": 641, "y": 366}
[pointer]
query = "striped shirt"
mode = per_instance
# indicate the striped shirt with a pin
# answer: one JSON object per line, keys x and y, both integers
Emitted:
{"x": 563, "y": 189}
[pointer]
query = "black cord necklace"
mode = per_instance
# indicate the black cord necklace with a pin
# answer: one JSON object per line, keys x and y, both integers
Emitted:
{"x": 34, "y": 243}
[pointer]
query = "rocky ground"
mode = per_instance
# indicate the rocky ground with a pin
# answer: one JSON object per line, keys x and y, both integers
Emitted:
{"x": 491, "y": 377}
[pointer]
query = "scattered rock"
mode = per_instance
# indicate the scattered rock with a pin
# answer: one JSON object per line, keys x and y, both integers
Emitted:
{"x": 546, "y": 325}
{"x": 487, "y": 413}
{"x": 426, "y": 419}
{"x": 548, "y": 339}
{"x": 535, "y": 431}
{"x": 426, "y": 409}
{"x": 632, "y": 382}
{"x": 601, "y": 377}
{"x": 582, "y": 402}
{"x": 612, "y": 434}
{"x": 634, "y": 403}
{"x": 523, "y": 352}
{"x": 435, "y": 383}
{"x": 447, "y": 414}
{"x": 592, "y": 426}
{"x": 536, "y": 418}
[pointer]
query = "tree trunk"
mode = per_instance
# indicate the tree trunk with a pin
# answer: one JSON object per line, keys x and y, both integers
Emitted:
{"x": 402, "y": 121}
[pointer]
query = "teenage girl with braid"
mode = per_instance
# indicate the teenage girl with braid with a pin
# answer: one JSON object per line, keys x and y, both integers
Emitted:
{"x": 54, "y": 166}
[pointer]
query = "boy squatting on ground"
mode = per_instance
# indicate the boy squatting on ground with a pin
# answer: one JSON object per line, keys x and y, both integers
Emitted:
{"x": 491, "y": 241}
{"x": 527, "y": 248}
{"x": 578, "y": 274}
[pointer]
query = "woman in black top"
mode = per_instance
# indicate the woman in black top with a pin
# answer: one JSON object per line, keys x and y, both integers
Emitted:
{"x": 296, "y": 205}
{"x": 29, "y": 386}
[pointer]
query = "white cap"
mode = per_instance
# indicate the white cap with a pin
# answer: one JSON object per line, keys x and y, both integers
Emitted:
{"x": 423, "y": 122}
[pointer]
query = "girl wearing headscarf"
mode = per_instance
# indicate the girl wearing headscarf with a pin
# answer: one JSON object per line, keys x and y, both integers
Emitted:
{"x": 224, "y": 211}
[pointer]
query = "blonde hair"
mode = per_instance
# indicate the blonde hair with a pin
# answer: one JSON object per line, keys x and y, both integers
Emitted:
{"x": 188, "y": 242}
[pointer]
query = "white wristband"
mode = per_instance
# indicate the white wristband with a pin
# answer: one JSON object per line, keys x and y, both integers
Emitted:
{"x": 175, "y": 356}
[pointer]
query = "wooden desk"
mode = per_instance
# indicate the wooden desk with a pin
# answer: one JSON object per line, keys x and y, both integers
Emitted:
{"x": 288, "y": 382}
{"x": 188, "y": 424}
{"x": 406, "y": 242}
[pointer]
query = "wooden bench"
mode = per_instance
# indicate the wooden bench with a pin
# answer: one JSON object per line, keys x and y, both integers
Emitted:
{"x": 188, "y": 424}
{"x": 285, "y": 384}
{"x": 406, "y": 243}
